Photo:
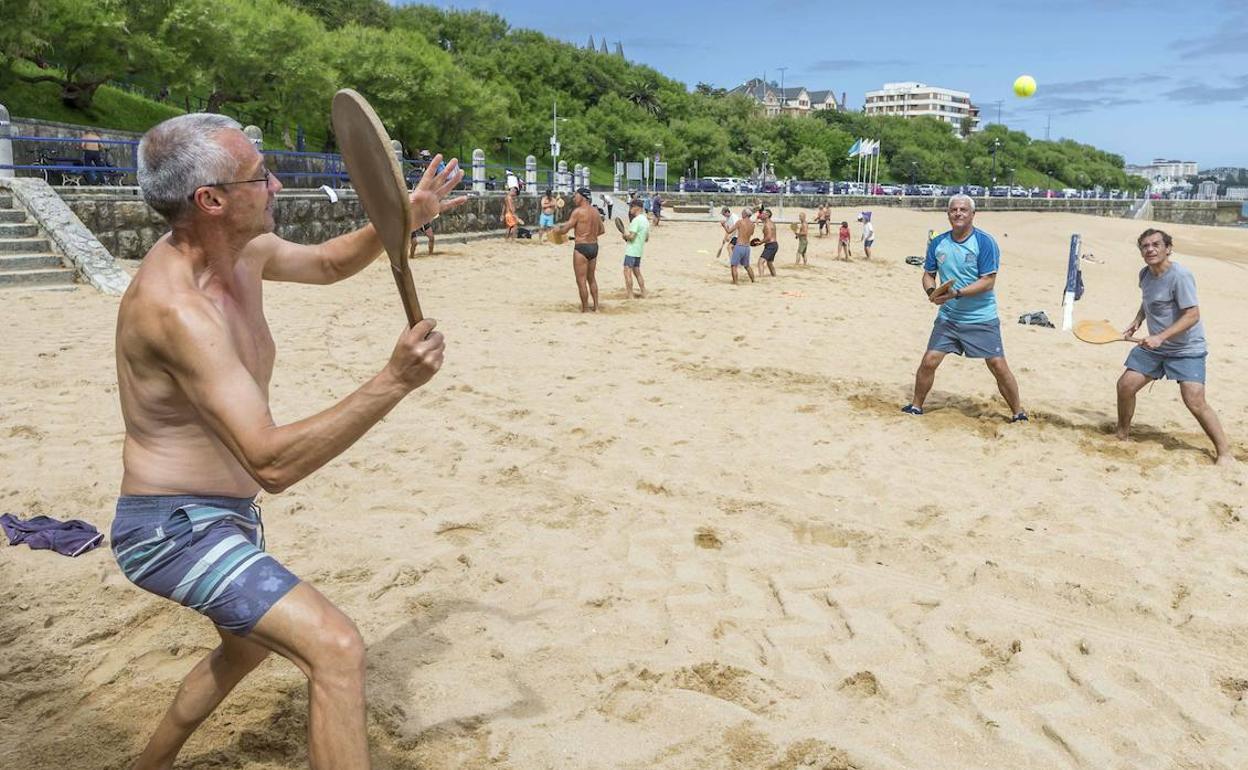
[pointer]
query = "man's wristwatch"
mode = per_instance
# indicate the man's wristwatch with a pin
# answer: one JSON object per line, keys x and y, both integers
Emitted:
{"x": 957, "y": 294}
{"x": 929, "y": 290}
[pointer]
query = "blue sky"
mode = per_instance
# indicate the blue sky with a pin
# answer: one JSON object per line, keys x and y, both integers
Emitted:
{"x": 1142, "y": 78}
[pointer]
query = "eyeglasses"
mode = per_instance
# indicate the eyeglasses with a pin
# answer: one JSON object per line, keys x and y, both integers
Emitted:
{"x": 267, "y": 176}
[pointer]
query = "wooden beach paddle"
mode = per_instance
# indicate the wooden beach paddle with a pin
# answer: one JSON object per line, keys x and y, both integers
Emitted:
{"x": 943, "y": 288}
{"x": 1100, "y": 333}
{"x": 557, "y": 237}
{"x": 619, "y": 225}
{"x": 378, "y": 180}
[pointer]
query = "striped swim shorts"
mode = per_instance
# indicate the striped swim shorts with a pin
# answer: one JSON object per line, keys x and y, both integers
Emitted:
{"x": 206, "y": 553}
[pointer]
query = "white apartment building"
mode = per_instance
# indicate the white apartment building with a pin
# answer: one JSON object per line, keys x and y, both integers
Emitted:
{"x": 1164, "y": 175}
{"x": 911, "y": 100}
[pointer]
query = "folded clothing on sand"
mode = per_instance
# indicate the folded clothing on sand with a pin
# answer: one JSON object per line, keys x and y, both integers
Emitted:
{"x": 68, "y": 538}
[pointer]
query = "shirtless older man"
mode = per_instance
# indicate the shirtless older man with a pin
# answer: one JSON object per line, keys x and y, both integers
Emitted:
{"x": 740, "y": 234}
{"x": 588, "y": 225}
{"x": 194, "y": 362}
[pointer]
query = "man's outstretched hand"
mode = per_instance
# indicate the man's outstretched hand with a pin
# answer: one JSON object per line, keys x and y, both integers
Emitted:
{"x": 428, "y": 196}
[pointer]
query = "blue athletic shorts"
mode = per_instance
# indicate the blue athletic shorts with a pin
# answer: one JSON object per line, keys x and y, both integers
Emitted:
{"x": 973, "y": 340}
{"x": 1156, "y": 365}
{"x": 206, "y": 553}
{"x": 546, "y": 220}
{"x": 632, "y": 261}
{"x": 740, "y": 255}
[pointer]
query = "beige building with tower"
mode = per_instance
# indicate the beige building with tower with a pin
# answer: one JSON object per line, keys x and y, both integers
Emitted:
{"x": 911, "y": 100}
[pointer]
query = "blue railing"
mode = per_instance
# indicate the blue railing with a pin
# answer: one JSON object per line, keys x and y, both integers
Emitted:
{"x": 63, "y": 161}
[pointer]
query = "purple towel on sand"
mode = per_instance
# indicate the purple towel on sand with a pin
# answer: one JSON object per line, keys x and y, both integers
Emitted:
{"x": 68, "y": 538}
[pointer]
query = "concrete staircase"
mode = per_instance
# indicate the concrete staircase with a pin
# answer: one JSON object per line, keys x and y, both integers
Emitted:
{"x": 27, "y": 260}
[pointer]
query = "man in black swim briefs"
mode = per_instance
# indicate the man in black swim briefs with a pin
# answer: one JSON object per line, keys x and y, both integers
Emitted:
{"x": 587, "y": 224}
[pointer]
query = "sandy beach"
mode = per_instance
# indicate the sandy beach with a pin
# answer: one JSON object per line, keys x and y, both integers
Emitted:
{"x": 691, "y": 531}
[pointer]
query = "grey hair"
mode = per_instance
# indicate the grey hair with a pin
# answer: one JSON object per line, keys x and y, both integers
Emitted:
{"x": 961, "y": 197}
{"x": 180, "y": 155}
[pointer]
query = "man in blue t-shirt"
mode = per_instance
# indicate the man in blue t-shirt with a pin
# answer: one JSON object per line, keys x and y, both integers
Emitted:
{"x": 967, "y": 323}
{"x": 1175, "y": 345}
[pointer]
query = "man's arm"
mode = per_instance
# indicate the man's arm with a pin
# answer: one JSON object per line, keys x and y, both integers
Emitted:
{"x": 346, "y": 255}
{"x": 198, "y": 352}
{"x": 323, "y": 263}
{"x": 985, "y": 283}
{"x": 1135, "y": 325}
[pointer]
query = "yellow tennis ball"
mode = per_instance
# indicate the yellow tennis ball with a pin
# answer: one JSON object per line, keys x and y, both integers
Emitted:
{"x": 1025, "y": 86}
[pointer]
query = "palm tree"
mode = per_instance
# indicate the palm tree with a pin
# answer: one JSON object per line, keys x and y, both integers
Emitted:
{"x": 644, "y": 92}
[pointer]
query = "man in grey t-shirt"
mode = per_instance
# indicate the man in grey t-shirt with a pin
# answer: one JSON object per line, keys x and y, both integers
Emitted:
{"x": 1175, "y": 345}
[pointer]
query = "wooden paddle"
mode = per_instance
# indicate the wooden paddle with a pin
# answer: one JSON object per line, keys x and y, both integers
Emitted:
{"x": 943, "y": 288}
{"x": 1100, "y": 333}
{"x": 557, "y": 237}
{"x": 619, "y": 225}
{"x": 378, "y": 180}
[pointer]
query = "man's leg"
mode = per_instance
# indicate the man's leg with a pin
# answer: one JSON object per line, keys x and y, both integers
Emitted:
{"x": 580, "y": 268}
{"x": 1194, "y": 398}
{"x": 308, "y": 630}
{"x": 926, "y": 375}
{"x": 734, "y": 273}
{"x": 203, "y": 689}
{"x": 641, "y": 282}
{"x": 430, "y": 242}
{"x": 750, "y": 271}
{"x": 1005, "y": 382}
{"x": 1129, "y": 384}
{"x": 591, "y": 277}
{"x": 628, "y": 281}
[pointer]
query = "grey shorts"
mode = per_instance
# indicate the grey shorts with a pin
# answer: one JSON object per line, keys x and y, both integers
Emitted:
{"x": 632, "y": 261}
{"x": 740, "y": 255}
{"x": 973, "y": 340}
{"x": 769, "y": 251}
{"x": 206, "y": 553}
{"x": 1156, "y": 365}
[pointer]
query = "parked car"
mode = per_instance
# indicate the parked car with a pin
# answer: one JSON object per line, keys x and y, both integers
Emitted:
{"x": 770, "y": 187}
{"x": 890, "y": 189}
{"x": 800, "y": 187}
{"x": 700, "y": 185}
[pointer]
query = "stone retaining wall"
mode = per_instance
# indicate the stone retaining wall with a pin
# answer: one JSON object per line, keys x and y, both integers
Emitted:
{"x": 1198, "y": 212}
{"x": 127, "y": 227}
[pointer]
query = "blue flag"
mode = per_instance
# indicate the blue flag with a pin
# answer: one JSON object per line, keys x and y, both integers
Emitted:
{"x": 1074, "y": 276}
{"x": 854, "y": 149}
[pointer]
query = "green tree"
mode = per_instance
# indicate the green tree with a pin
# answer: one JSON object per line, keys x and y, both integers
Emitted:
{"x": 79, "y": 46}
{"x": 260, "y": 53}
{"x": 810, "y": 163}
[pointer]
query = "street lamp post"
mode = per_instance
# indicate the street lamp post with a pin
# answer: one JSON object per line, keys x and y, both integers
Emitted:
{"x": 995, "y": 144}
{"x": 507, "y": 141}
{"x": 914, "y": 170}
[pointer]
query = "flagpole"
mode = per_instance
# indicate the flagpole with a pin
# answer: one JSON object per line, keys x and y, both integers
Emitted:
{"x": 876, "y": 150}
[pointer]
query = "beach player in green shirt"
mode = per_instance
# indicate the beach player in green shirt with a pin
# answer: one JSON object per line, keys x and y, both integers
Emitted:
{"x": 636, "y": 235}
